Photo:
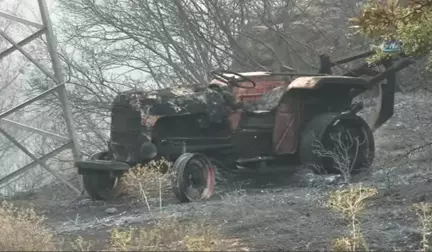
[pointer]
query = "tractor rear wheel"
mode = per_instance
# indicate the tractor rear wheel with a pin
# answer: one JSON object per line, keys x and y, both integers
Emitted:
{"x": 338, "y": 144}
{"x": 194, "y": 178}
{"x": 103, "y": 185}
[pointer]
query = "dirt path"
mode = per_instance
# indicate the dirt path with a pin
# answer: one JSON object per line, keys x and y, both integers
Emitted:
{"x": 292, "y": 216}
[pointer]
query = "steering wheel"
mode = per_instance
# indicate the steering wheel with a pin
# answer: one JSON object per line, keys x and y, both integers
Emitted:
{"x": 219, "y": 75}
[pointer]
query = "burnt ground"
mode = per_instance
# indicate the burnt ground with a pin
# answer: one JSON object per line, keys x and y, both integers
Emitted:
{"x": 288, "y": 215}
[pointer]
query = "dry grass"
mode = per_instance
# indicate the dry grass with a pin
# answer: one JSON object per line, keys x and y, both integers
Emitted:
{"x": 350, "y": 202}
{"x": 167, "y": 234}
{"x": 152, "y": 180}
{"x": 22, "y": 229}
{"x": 80, "y": 244}
{"x": 424, "y": 212}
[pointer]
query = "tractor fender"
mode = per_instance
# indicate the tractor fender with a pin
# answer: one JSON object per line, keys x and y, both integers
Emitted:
{"x": 318, "y": 82}
{"x": 318, "y": 126}
{"x": 101, "y": 162}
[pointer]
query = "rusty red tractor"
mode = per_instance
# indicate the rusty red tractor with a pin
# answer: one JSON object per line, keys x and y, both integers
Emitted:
{"x": 243, "y": 121}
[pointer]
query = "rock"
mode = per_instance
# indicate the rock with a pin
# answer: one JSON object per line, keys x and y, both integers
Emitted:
{"x": 310, "y": 180}
{"x": 84, "y": 202}
{"x": 333, "y": 179}
{"x": 111, "y": 210}
{"x": 316, "y": 180}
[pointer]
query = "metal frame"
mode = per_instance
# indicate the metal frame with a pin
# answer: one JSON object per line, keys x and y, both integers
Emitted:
{"x": 58, "y": 78}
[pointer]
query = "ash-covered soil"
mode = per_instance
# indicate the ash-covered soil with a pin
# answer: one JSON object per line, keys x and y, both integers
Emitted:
{"x": 291, "y": 214}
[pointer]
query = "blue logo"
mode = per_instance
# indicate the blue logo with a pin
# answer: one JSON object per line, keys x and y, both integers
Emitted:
{"x": 392, "y": 46}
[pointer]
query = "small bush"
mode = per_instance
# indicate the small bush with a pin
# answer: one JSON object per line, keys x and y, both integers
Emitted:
{"x": 424, "y": 212}
{"x": 340, "y": 154}
{"x": 22, "y": 229}
{"x": 82, "y": 245}
{"x": 350, "y": 202}
{"x": 152, "y": 180}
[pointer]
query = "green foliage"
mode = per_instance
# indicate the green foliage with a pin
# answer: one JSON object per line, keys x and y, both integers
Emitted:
{"x": 409, "y": 22}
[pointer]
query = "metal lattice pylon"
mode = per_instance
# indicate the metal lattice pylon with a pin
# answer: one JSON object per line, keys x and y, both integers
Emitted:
{"x": 58, "y": 78}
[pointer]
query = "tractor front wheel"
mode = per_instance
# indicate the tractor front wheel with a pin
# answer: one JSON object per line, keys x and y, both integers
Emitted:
{"x": 103, "y": 185}
{"x": 194, "y": 178}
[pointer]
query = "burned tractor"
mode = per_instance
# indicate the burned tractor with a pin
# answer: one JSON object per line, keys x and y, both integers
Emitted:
{"x": 242, "y": 121}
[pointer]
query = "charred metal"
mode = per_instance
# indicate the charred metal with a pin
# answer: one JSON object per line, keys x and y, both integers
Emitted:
{"x": 255, "y": 118}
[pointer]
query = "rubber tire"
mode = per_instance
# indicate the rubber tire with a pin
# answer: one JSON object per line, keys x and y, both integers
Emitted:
{"x": 179, "y": 184}
{"x": 317, "y": 129}
{"x": 101, "y": 185}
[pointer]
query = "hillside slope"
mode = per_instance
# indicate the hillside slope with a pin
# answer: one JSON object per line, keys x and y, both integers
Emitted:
{"x": 287, "y": 215}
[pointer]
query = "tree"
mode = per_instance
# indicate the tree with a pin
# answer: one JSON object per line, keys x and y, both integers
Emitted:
{"x": 407, "y": 21}
{"x": 11, "y": 69}
{"x": 111, "y": 46}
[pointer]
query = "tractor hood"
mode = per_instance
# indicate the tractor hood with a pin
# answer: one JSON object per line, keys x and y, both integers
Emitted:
{"x": 175, "y": 101}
